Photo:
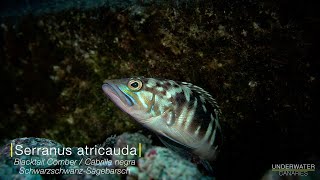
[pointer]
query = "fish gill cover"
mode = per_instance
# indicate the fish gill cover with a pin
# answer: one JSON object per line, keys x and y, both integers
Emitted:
{"x": 257, "y": 58}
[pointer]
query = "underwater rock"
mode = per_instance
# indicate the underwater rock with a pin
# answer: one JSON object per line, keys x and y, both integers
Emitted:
{"x": 132, "y": 140}
{"x": 35, "y": 158}
{"x": 38, "y": 155}
{"x": 30, "y": 144}
{"x": 163, "y": 163}
{"x": 9, "y": 165}
{"x": 109, "y": 142}
{"x": 155, "y": 163}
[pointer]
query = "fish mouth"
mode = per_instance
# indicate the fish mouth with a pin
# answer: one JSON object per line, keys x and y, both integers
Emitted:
{"x": 116, "y": 95}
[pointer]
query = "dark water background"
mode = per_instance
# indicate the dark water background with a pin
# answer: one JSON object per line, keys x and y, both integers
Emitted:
{"x": 260, "y": 59}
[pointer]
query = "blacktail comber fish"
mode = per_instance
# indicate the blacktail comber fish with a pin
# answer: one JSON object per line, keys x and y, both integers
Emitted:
{"x": 184, "y": 116}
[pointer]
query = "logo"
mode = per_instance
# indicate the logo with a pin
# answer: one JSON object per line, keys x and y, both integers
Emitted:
{"x": 293, "y": 169}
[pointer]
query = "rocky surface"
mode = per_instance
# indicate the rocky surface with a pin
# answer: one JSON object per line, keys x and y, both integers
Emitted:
{"x": 155, "y": 163}
{"x": 162, "y": 163}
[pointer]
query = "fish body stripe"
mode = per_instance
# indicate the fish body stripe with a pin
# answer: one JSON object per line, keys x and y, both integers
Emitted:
{"x": 159, "y": 89}
{"x": 202, "y": 99}
{"x": 183, "y": 115}
{"x": 213, "y": 137}
{"x": 155, "y": 107}
{"x": 174, "y": 91}
{"x": 168, "y": 95}
{"x": 217, "y": 119}
{"x": 186, "y": 92}
{"x": 204, "y": 108}
{"x": 151, "y": 83}
{"x": 191, "y": 114}
{"x": 196, "y": 133}
{"x": 150, "y": 104}
{"x": 208, "y": 132}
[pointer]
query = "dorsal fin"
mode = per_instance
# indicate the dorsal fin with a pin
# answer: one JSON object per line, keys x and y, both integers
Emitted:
{"x": 204, "y": 94}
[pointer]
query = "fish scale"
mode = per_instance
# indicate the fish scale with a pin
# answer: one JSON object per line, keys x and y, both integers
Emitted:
{"x": 177, "y": 111}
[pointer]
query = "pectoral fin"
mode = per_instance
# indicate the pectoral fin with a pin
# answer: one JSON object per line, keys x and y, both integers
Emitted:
{"x": 184, "y": 151}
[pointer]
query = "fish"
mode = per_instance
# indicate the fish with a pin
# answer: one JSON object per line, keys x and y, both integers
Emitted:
{"x": 184, "y": 116}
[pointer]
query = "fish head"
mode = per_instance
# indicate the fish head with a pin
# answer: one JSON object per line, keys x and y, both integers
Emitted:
{"x": 131, "y": 96}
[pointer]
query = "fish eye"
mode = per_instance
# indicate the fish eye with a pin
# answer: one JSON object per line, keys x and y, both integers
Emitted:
{"x": 135, "y": 85}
